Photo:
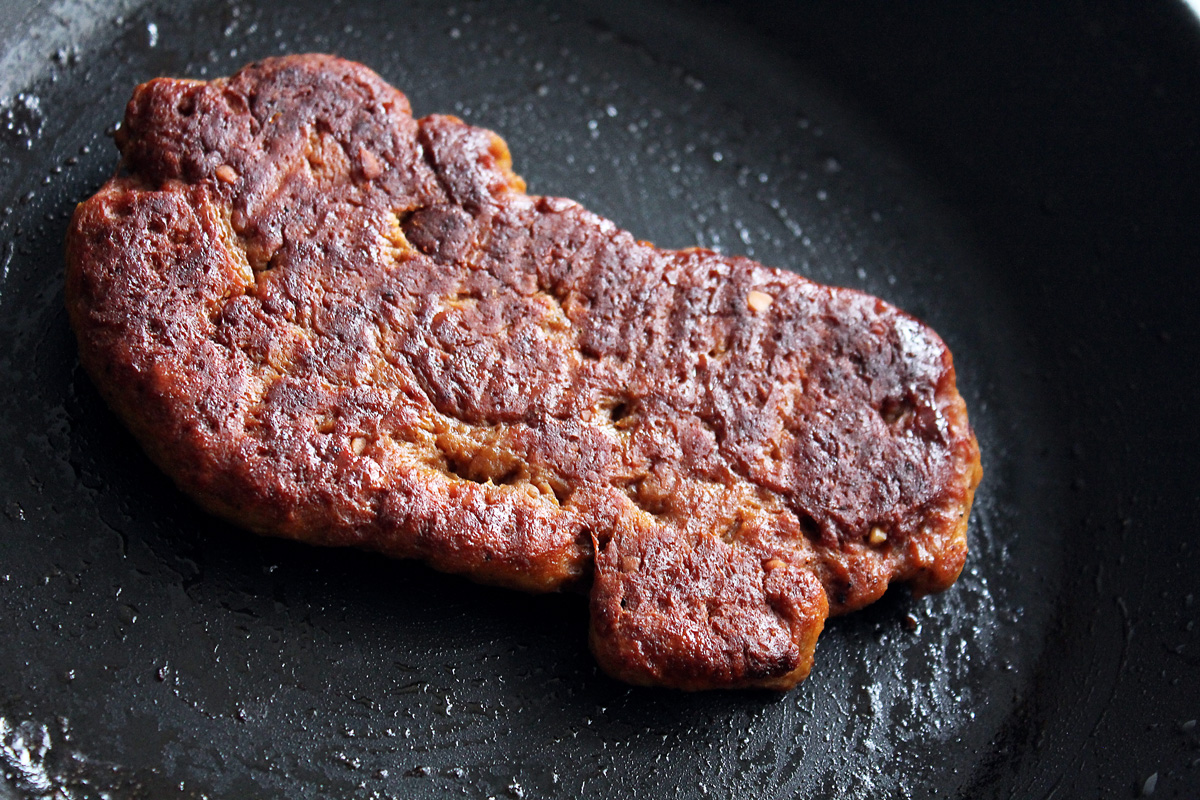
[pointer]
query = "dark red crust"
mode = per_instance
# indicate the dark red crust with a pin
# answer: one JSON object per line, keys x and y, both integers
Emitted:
{"x": 331, "y": 322}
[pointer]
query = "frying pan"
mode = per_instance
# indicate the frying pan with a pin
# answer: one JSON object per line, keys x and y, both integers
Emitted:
{"x": 1024, "y": 177}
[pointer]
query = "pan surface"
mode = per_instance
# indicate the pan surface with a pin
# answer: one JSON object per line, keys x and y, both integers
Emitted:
{"x": 1026, "y": 180}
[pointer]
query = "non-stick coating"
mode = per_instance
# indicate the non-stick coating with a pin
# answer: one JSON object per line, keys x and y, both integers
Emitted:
{"x": 1024, "y": 179}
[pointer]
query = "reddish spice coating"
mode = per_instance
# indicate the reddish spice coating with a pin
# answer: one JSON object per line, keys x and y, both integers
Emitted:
{"x": 331, "y": 322}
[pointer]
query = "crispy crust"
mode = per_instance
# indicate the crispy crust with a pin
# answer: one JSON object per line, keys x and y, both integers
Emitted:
{"x": 329, "y": 321}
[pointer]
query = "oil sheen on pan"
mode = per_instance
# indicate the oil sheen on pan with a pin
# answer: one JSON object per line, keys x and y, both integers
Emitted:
{"x": 329, "y": 321}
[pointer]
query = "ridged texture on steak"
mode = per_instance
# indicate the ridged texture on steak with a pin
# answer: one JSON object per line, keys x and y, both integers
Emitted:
{"x": 329, "y": 321}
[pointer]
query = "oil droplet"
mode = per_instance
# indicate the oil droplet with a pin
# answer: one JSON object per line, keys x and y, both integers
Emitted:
{"x": 21, "y": 119}
{"x": 23, "y": 750}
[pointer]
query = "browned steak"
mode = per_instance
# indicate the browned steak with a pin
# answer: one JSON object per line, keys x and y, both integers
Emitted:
{"x": 329, "y": 321}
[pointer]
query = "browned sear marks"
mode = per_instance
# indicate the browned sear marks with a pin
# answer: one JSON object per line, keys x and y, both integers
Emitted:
{"x": 333, "y": 322}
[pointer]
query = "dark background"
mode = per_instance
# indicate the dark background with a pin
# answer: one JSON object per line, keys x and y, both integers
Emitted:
{"x": 1022, "y": 176}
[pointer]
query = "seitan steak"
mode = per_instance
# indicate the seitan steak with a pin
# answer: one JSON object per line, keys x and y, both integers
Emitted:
{"x": 332, "y": 322}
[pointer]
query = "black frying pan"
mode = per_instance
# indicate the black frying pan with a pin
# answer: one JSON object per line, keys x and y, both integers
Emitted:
{"x": 1025, "y": 177}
